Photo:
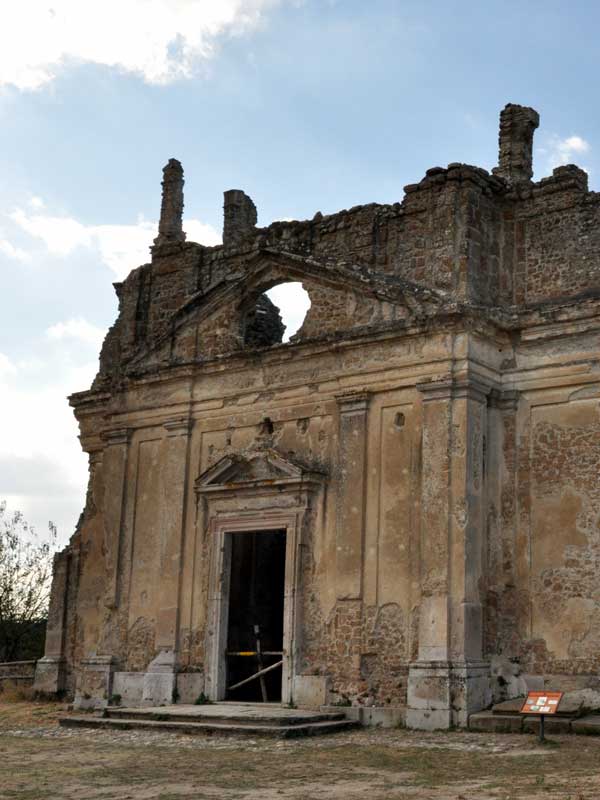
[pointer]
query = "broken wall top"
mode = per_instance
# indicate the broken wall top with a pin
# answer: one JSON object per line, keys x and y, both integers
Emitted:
{"x": 461, "y": 239}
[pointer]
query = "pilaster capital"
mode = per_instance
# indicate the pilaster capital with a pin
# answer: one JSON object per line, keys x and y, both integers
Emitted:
{"x": 178, "y": 426}
{"x": 462, "y": 387}
{"x": 353, "y": 402}
{"x": 507, "y": 400}
{"x": 116, "y": 436}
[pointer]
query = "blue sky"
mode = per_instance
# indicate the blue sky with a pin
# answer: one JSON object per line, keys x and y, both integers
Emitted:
{"x": 307, "y": 105}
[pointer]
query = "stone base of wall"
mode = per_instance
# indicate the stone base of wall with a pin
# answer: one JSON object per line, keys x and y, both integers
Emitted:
{"x": 94, "y": 683}
{"x": 441, "y": 695}
{"x": 137, "y": 689}
{"x": 310, "y": 691}
{"x": 371, "y": 716}
{"x": 50, "y": 675}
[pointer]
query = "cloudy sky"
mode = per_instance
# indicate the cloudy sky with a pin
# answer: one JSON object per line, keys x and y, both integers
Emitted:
{"x": 305, "y": 104}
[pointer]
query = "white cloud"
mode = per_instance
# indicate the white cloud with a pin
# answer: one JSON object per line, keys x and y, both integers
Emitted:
{"x": 160, "y": 40}
{"x": 78, "y": 329}
{"x": 559, "y": 151}
{"x": 61, "y": 235}
{"x": 13, "y": 252}
{"x": 6, "y": 366}
{"x": 37, "y": 202}
{"x": 121, "y": 247}
{"x": 197, "y": 231}
{"x": 43, "y": 471}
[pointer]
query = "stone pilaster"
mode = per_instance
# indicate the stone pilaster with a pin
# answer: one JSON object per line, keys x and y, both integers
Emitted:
{"x": 450, "y": 679}
{"x": 159, "y": 681}
{"x": 114, "y": 467}
{"x": 174, "y": 469}
{"x": 502, "y": 624}
{"x": 351, "y": 500}
{"x": 50, "y": 671}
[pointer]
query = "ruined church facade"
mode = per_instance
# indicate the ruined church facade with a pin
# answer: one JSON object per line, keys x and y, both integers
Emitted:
{"x": 400, "y": 507}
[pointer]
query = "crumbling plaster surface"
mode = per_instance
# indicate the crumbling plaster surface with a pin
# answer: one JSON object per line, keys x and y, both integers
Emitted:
{"x": 444, "y": 387}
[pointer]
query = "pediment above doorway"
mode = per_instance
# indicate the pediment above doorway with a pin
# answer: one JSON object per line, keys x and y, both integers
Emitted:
{"x": 259, "y": 469}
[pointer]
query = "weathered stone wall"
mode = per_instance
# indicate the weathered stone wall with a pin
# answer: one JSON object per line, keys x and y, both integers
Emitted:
{"x": 442, "y": 389}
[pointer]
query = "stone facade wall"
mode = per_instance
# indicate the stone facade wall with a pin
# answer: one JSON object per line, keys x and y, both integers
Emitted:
{"x": 431, "y": 431}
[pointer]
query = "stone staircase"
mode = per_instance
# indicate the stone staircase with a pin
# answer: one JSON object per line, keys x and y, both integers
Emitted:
{"x": 220, "y": 719}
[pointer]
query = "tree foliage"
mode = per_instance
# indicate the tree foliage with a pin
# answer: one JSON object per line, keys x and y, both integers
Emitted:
{"x": 25, "y": 578}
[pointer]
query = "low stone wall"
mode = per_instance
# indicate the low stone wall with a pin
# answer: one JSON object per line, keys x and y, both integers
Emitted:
{"x": 21, "y": 673}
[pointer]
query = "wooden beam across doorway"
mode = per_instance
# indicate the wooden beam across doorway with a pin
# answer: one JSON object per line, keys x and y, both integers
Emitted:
{"x": 255, "y": 676}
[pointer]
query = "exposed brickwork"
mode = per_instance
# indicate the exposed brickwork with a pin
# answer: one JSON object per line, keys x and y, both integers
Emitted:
{"x": 517, "y": 125}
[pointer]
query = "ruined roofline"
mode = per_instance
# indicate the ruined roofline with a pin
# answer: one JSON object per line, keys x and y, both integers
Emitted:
{"x": 513, "y": 173}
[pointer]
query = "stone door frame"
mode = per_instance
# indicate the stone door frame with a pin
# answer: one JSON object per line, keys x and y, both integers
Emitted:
{"x": 218, "y": 606}
{"x": 260, "y": 491}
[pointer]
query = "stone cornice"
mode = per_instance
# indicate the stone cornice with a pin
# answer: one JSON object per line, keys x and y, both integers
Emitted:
{"x": 507, "y": 400}
{"x": 353, "y": 402}
{"x": 178, "y": 426}
{"x": 116, "y": 436}
{"x": 455, "y": 388}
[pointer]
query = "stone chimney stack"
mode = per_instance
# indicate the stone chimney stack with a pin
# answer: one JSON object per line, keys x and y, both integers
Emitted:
{"x": 517, "y": 124}
{"x": 170, "y": 227}
{"x": 239, "y": 218}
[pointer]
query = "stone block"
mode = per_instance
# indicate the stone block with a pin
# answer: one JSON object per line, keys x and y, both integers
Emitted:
{"x": 551, "y": 725}
{"x": 589, "y": 725}
{"x": 352, "y": 713}
{"x": 488, "y": 722}
{"x": 165, "y": 661}
{"x": 94, "y": 683}
{"x": 190, "y": 686}
{"x": 470, "y": 690}
{"x": 130, "y": 685}
{"x": 158, "y": 688}
{"x": 444, "y": 694}
{"x": 428, "y": 719}
{"x": 50, "y": 675}
{"x": 310, "y": 691}
{"x": 428, "y": 686}
{"x": 382, "y": 716}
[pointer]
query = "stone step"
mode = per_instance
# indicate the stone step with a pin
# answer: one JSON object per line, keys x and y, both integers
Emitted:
{"x": 568, "y": 707}
{"x": 492, "y": 722}
{"x": 587, "y": 725}
{"x": 234, "y": 713}
{"x": 222, "y": 728}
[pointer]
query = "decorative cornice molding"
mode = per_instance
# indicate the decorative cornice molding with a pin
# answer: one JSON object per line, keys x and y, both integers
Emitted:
{"x": 178, "y": 426}
{"x": 116, "y": 436}
{"x": 463, "y": 387}
{"x": 353, "y": 402}
{"x": 507, "y": 400}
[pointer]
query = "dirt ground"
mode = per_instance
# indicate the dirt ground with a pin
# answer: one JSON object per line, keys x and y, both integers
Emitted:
{"x": 40, "y": 760}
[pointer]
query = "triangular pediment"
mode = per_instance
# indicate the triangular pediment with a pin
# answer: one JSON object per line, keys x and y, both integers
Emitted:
{"x": 364, "y": 300}
{"x": 260, "y": 467}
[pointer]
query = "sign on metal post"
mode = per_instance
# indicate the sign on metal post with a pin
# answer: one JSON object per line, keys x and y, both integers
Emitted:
{"x": 542, "y": 704}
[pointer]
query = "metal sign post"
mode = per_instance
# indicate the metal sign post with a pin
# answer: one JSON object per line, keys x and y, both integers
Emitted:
{"x": 541, "y": 704}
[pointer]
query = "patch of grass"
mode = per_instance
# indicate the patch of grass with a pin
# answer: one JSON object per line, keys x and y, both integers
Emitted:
{"x": 16, "y": 692}
{"x": 381, "y": 765}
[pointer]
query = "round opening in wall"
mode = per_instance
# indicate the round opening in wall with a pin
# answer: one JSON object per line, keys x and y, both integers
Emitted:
{"x": 277, "y": 315}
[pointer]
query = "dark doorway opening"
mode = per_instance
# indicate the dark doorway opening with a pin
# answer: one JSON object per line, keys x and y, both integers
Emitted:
{"x": 255, "y": 621}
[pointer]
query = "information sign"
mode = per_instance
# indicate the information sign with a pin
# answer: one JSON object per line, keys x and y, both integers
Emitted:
{"x": 542, "y": 703}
